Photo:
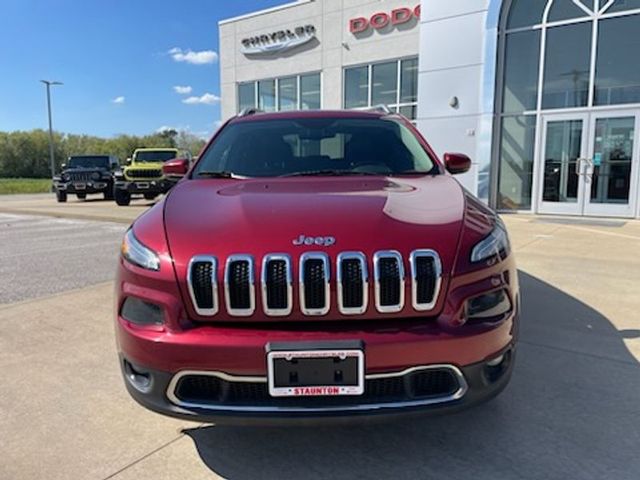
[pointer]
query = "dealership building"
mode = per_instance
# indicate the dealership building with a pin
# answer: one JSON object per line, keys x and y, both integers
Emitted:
{"x": 543, "y": 95}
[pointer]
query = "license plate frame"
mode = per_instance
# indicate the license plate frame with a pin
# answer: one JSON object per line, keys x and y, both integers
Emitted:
{"x": 80, "y": 186}
{"x": 305, "y": 365}
{"x": 142, "y": 185}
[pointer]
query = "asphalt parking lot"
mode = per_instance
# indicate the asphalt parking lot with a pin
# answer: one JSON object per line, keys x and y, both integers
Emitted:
{"x": 572, "y": 409}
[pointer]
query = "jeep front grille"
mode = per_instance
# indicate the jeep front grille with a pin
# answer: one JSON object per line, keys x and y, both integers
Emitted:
{"x": 426, "y": 273}
{"x": 389, "y": 281}
{"x": 239, "y": 286}
{"x": 203, "y": 284}
{"x": 314, "y": 284}
{"x": 352, "y": 283}
{"x": 80, "y": 176}
{"x": 277, "y": 285}
{"x": 144, "y": 173}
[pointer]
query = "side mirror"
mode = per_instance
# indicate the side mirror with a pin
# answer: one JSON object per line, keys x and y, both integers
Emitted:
{"x": 456, "y": 163}
{"x": 176, "y": 168}
{"x": 128, "y": 161}
{"x": 63, "y": 166}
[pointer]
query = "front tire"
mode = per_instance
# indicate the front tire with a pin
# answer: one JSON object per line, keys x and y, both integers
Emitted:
{"x": 61, "y": 196}
{"x": 122, "y": 197}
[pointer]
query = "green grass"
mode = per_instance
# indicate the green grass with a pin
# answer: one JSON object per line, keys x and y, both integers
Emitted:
{"x": 24, "y": 185}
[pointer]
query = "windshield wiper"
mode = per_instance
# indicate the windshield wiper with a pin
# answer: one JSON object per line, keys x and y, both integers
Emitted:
{"x": 331, "y": 173}
{"x": 210, "y": 174}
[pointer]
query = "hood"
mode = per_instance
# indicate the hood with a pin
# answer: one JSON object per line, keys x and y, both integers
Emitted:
{"x": 256, "y": 217}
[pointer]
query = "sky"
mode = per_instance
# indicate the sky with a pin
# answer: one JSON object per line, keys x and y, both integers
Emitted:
{"x": 128, "y": 66}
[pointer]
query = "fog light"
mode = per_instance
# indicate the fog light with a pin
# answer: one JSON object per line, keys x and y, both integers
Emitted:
{"x": 141, "y": 381}
{"x": 488, "y": 306}
{"x": 495, "y": 368}
{"x": 142, "y": 312}
{"x": 496, "y": 361}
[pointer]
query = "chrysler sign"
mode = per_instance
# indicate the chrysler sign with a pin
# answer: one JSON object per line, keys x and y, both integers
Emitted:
{"x": 279, "y": 41}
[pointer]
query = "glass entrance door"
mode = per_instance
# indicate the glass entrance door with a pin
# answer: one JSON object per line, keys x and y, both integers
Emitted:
{"x": 611, "y": 169}
{"x": 564, "y": 148}
{"x": 588, "y": 164}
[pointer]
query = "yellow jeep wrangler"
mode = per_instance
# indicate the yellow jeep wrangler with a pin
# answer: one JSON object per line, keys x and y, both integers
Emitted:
{"x": 143, "y": 174}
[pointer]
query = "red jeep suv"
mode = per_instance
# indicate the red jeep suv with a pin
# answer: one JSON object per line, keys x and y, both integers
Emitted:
{"x": 316, "y": 264}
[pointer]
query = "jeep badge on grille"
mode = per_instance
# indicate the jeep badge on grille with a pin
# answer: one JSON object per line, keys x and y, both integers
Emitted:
{"x": 321, "y": 241}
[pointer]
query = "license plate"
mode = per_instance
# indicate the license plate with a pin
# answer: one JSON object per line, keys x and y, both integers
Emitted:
{"x": 315, "y": 373}
{"x": 142, "y": 185}
{"x": 80, "y": 186}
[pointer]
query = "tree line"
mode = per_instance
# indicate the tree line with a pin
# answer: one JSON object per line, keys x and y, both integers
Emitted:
{"x": 26, "y": 154}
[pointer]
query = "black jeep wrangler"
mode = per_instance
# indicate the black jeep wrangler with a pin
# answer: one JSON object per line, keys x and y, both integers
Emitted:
{"x": 86, "y": 174}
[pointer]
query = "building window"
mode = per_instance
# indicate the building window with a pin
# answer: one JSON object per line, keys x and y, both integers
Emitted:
{"x": 310, "y": 96}
{"x": 618, "y": 78}
{"x": 300, "y": 92}
{"x": 246, "y": 96}
{"x": 393, "y": 83}
{"x": 551, "y": 59}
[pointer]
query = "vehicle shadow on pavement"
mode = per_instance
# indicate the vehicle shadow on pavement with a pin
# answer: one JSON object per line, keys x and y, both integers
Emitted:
{"x": 571, "y": 411}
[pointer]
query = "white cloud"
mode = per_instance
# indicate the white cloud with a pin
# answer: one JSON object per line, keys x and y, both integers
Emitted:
{"x": 182, "y": 90}
{"x": 202, "y": 57}
{"x": 206, "y": 99}
{"x": 118, "y": 100}
{"x": 180, "y": 128}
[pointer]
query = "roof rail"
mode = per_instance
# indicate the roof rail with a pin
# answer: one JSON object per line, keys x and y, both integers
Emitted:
{"x": 245, "y": 112}
{"x": 381, "y": 108}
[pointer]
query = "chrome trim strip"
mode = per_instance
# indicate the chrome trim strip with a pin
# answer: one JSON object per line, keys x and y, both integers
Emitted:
{"x": 376, "y": 275}
{"x": 240, "y": 312}
{"x": 204, "y": 312}
{"x": 457, "y": 395}
{"x": 365, "y": 283}
{"x": 277, "y": 312}
{"x": 327, "y": 287}
{"x": 437, "y": 266}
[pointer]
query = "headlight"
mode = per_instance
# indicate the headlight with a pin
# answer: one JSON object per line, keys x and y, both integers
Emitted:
{"x": 136, "y": 253}
{"x": 496, "y": 243}
{"x": 65, "y": 177}
{"x": 96, "y": 176}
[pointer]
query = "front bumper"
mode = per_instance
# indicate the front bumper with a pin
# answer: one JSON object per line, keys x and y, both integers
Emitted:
{"x": 142, "y": 186}
{"x": 83, "y": 187}
{"x": 238, "y": 355}
{"x": 479, "y": 383}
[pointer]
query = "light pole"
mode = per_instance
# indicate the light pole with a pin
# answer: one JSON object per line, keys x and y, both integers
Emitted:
{"x": 49, "y": 83}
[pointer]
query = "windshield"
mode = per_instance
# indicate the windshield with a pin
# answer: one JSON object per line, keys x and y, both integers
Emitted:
{"x": 321, "y": 146}
{"x": 155, "y": 155}
{"x": 89, "y": 162}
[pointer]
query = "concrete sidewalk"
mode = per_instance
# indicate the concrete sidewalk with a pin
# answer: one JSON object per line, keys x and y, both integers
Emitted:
{"x": 571, "y": 410}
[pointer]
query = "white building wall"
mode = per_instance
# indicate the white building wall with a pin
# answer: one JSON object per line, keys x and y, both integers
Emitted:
{"x": 336, "y": 47}
{"x": 457, "y": 61}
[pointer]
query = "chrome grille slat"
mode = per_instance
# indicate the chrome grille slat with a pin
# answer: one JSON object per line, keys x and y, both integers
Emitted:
{"x": 203, "y": 289}
{"x": 277, "y": 285}
{"x": 388, "y": 270}
{"x": 426, "y": 278}
{"x": 353, "y": 283}
{"x": 315, "y": 295}
{"x": 239, "y": 286}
